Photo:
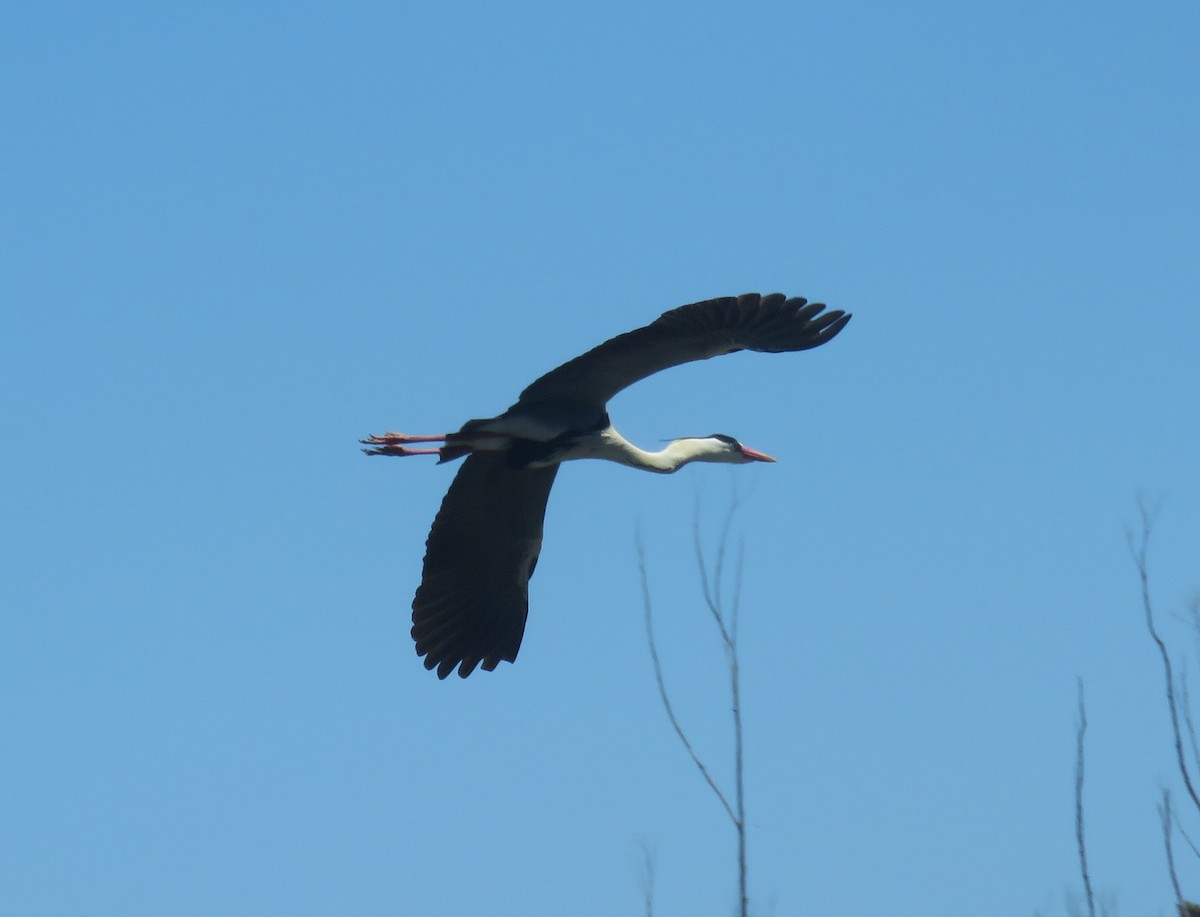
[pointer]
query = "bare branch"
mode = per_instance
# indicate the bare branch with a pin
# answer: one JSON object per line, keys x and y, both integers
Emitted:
{"x": 711, "y": 585}
{"x": 727, "y": 624}
{"x": 739, "y": 780}
{"x": 1193, "y": 608}
{"x": 649, "y": 873}
{"x": 1179, "y": 830}
{"x": 726, "y": 621}
{"x": 1139, "y": 549}
{"x": 1081, "y": 728}
{"x": 1185, "y": 703}
{"x": 698, "y": 545}
{"x": 737, "y": 592}
{"x": 662, "y": 686}
{"x": 723, "y": 544}
{"x": 1164, "y": 814}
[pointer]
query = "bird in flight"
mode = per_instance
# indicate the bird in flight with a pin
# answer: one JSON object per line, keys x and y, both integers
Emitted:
{"x": 471, "y": 606}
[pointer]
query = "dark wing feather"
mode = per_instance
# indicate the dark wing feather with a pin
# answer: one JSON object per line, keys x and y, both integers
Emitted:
{"x": 473, "y": 599}
{"x": 770, "y": 324}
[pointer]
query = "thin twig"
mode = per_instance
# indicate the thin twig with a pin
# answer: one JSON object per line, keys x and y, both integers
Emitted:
{"x": 710, "y": 599}
{"x": 728, "y": 629}
{"x": 1081, "y": 728}
{"x": 1185, "y": 703}
{"x": 722, "y": 545}
{"x": 1139, "y": 551}
{"x": 1190, "y": 842}
{"x": 739, "y": 781}
{"x": 1194, "y": 622}
{"x": 1164, "y": 814}
{"x": 711, "y": 587}
{"x": 662, "y": 686}
{"x": 648, "y": 876}
{"x": 737, "y": 591}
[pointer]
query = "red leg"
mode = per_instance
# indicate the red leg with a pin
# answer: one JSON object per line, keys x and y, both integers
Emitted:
{"x": 396, "y": 443}
{"x": 398, "y": 439}
{"x": 387, "y": 449}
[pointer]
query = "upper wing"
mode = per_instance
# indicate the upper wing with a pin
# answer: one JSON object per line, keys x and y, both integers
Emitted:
{"x": 473, "y": 598}
{"x": 696, "y": 332}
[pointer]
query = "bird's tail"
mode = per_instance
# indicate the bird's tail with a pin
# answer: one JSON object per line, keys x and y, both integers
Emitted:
{"x": 450, "y": 452}
{"x": 469, "y": 439}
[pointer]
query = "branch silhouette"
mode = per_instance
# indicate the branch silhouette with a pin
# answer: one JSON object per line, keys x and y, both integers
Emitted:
{"x": 726, "y": 620}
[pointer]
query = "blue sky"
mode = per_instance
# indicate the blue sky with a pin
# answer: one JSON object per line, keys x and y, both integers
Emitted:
{"x": 238, "y": 238}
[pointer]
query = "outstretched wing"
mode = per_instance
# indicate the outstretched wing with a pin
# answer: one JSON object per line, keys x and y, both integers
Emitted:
{"x": 770, "y": 324}
{"x": 473, "y": 599}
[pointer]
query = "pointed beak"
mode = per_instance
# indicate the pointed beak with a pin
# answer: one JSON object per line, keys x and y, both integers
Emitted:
{"x": 755, "y": 456}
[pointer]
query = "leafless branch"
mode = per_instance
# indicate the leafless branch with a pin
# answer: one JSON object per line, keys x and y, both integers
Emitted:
{"x": 1139, "y": 548}
{"x": 739, "y": 781}
{"x": 726, "y": 621}
{"x": 737, "y": 592}
{"x": 711, "y": 585}
{"x": 1080, "y": 730}
{"x": 1184, "y": 835}
{"x": 647, "y": 878}
{"x": 1165, "y": 816}
{"x": 1193, "y": 621}
{"x": 1185, "y": 704}
{"x": 662, "y": 686}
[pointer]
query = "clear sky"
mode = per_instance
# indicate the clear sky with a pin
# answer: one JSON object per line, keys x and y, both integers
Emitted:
{"x": 239, "y": 236}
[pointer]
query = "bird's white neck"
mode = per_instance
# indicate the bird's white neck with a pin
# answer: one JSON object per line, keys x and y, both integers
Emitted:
{"x": 610, "y": 445}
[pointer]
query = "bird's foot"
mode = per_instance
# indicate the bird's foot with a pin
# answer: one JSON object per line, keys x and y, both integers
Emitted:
{"x": 396, "y": 444}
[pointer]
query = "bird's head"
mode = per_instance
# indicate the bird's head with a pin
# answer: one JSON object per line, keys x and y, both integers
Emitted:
{"x": 719, "y": 448}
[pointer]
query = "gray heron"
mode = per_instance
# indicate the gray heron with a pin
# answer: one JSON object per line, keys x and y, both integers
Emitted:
{"x": 471, "y": 606}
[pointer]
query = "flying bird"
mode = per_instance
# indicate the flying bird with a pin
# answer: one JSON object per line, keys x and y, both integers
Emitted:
{"x": 471, "y": 606}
